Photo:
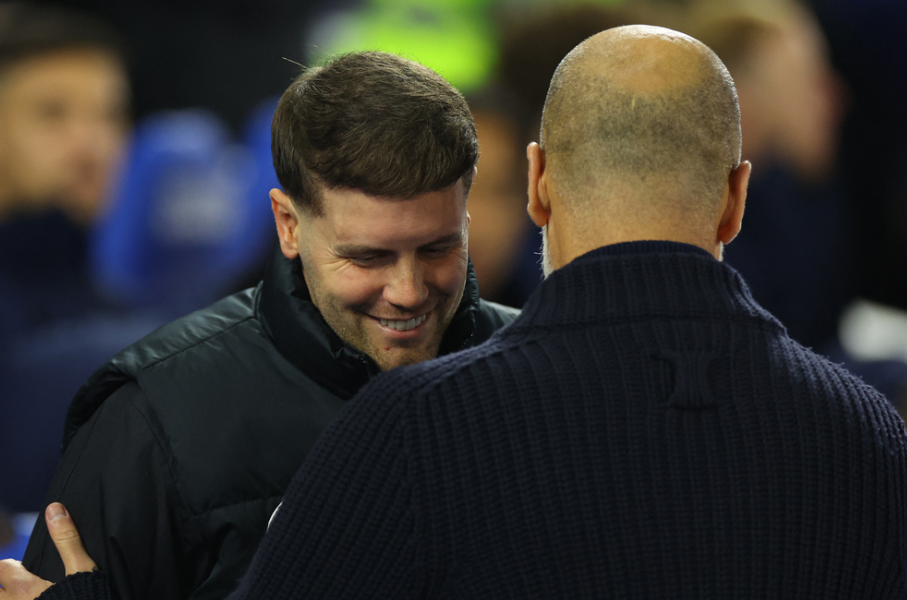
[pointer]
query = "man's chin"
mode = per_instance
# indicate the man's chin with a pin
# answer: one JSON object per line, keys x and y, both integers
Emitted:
{"x": 403, "y": 363}
{"x": 400, "y": 357}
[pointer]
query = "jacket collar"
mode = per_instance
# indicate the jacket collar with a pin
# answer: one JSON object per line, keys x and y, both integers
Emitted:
{"x": 304, "y": 338}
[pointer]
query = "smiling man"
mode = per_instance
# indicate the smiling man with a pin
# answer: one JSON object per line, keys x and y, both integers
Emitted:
{"x": 178, "y": 450}
{"x": 386, "y": 275}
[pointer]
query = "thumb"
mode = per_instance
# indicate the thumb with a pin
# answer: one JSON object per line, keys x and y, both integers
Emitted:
{"x": 67, "y": 540}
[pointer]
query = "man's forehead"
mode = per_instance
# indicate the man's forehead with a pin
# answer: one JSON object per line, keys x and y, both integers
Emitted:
{"x": 349, "y": 203}
{"x": 351, "y": 218}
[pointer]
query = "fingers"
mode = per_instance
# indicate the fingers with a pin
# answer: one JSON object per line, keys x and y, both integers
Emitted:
{"x": 66, "y": 538}
{"x": 19, "y": 584}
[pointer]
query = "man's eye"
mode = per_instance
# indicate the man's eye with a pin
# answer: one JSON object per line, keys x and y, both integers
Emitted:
{"x": 365, "y": 260}
{"x": 435, "y": 251}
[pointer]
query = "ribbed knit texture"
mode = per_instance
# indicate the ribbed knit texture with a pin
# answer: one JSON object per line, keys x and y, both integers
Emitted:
{"x": 643, "y": 430}
{"x": 81, "y": 586}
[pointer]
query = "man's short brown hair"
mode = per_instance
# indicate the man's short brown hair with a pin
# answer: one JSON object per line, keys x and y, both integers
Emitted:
{"x": 373, "y": 122}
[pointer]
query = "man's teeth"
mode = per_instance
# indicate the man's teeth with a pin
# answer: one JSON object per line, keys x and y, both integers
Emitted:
{"x": 404, "y": 325}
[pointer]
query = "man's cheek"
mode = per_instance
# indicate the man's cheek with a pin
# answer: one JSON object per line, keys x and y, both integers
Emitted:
{"x": 455, "y": 274}
{"x": 355, "y": 292}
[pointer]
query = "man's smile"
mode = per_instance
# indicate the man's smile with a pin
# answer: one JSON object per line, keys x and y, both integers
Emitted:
{"x": 402, "y": 324}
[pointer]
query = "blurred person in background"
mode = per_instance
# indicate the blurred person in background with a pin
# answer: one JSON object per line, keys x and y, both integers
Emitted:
{"x": 64, "y": 106}
{"x": 64, "y": 114}
{"x": 64, "y": 121}
{"x": 797, "y": 251}
{"x": 501, "y": 251}
{"x": 866, "y": 40}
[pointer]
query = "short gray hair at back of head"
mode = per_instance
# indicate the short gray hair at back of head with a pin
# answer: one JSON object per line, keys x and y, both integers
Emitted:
{"x": 597, "y": 133}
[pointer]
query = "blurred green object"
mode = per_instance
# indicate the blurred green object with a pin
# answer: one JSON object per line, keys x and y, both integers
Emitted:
{"x": 434, "y": 4}
{"x": 456, "y": 38}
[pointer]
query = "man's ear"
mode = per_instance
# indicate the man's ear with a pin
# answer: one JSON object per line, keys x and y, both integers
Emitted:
{"x": 539, "y": 207}
{"x": 734, "y": 203}
{"x": 286, "y": 218}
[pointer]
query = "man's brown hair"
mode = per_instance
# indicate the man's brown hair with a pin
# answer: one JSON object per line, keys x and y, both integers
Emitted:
{"x": 373, "y": 122}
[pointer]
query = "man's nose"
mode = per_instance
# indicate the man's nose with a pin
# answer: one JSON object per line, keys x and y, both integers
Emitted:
{"x": 406, "y": 288}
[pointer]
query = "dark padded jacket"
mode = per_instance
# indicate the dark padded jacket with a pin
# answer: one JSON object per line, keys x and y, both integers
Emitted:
{"x": 178, "y": 450}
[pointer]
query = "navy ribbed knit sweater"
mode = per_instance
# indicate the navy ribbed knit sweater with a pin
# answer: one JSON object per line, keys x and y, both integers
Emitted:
{"x": 643, "y": 430}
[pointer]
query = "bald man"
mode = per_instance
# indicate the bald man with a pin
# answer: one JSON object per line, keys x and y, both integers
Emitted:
{"x": 644, "y": 429}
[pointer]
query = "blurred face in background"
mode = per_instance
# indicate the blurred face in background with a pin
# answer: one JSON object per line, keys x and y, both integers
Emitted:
{"x": 63, "y": 125}
{"x": 799, "y": 96}
{"x": 497, "y": 203}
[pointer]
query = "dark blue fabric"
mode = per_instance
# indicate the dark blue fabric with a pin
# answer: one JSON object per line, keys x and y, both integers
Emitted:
{"x": 643, "y": 430}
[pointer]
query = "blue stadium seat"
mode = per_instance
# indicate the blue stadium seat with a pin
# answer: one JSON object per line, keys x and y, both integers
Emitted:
{"x": 188, "y": 217}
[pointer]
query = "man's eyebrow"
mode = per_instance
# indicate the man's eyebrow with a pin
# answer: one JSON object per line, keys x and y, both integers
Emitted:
{"x": 357, "y": 249}
{"x": 452, "y": 239}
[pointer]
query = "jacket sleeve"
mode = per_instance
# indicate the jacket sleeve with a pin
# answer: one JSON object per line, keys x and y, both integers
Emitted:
{"x": 346, "y": 528}
{"x": 114, "y": 478}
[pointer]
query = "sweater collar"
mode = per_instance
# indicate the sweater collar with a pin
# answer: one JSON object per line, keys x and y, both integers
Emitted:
{"x": 649, "y": 247}
{"x": 641, "y": 280}
{"x": 303, "y": 336}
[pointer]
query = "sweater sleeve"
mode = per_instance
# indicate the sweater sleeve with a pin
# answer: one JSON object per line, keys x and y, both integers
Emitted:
{"x": 81, "y": 586}
{"x": 346, "y": 528}
{"x": 114, "y": 479}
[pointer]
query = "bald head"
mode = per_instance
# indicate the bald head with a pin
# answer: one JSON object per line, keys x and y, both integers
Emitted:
{"x": 644, "y": 120}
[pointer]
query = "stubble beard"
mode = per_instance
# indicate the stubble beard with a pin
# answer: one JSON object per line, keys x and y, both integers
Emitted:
{"x": 401, "y": 354}
{"x": 350, "y": 325}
